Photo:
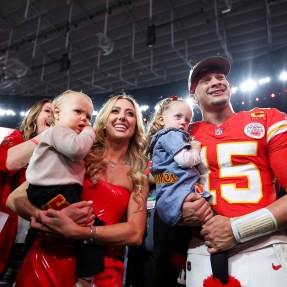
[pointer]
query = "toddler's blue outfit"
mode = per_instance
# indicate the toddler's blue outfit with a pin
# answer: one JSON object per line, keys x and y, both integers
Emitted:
{"x": 173, "y": 183}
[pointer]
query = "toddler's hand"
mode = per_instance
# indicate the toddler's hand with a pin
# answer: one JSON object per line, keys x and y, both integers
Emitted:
{"x": 88, "y": 128}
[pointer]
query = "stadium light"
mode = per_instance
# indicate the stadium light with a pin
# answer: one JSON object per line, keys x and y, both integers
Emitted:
{"x": 7, "y": 113}
{"x": 144, "y": 108}
{"x": 263, "y": 81}
{"x": 249, "y": 85}
{"x": 283, "y": 76}
{"x": 234, "y": 90}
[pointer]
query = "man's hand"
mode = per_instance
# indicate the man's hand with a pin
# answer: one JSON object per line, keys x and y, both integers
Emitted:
{"x": 218, "y": 235}
{"x": 195, "y": 210}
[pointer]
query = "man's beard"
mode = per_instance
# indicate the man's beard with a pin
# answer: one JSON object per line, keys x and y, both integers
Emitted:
{"x": 220, "y": 103}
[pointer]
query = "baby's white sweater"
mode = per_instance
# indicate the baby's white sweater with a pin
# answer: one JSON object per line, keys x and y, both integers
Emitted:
{"x": 58, "y": 159}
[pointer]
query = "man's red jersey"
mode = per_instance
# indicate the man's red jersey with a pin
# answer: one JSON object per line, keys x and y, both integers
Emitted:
{"x": 241, "y": 158}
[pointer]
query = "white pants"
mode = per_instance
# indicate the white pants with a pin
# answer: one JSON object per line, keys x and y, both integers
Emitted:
{"x": 265, "y": 267}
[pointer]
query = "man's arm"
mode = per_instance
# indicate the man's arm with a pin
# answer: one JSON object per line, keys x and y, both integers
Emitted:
{"x": 219, "y": 236}
{"x": 279, "y": 211}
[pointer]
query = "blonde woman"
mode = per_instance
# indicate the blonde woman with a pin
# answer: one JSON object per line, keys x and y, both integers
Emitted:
{"x": 116, "y": 184}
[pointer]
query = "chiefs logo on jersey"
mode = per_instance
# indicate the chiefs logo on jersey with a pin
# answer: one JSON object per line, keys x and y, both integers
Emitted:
{"x": 255, "y": 130}
{"x": 257, "y": 115}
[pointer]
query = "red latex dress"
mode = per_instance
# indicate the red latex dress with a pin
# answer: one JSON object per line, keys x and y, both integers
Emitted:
{"x": 51, "y": 263}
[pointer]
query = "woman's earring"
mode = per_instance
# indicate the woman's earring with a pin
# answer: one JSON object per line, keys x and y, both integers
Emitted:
{"x": 34, "y": 127}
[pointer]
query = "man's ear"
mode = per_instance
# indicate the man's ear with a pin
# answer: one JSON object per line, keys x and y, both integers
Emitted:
{"x": 193, "y": 99}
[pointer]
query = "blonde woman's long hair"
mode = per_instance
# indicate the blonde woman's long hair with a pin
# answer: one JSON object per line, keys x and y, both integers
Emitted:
{"x": 135, "y": 153}
{"x": 28, "y": 127}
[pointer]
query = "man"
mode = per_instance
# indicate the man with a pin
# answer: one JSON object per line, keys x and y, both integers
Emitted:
{"x": 241, "y": 154}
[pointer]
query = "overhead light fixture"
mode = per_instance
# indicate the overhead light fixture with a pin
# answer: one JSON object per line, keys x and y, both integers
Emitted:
{"x": 151, "y": 35}
{"x": 65, "y": 62}
{"x": 105, "y": 44}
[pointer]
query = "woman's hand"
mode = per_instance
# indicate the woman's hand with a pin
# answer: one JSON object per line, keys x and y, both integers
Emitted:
{"x": 56, "y": 223}
{"x": 81, "y": 213}
{"x": 195, "y": 210}
{"x": 218, "y": 235}
{"x": 66, "y": 222}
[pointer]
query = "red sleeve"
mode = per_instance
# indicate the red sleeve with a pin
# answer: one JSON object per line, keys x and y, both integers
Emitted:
{"x": 9, "y": 231}
{"x": 278, "y": 158}
{"x": 9, "y": 141}
{"x": 147, "y": 171}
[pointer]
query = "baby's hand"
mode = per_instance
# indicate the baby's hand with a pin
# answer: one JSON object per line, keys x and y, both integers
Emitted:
{"x": 88, "y": 128}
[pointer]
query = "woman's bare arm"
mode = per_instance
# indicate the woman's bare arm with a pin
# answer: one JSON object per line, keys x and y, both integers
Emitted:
{"x": 81, "y": 212}
{"x": 19, "y": 155}
{"x": 18, "y": 202}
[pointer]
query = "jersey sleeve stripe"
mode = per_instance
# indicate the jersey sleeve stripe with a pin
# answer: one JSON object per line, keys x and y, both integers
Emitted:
{"x": 277, "y": 128}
